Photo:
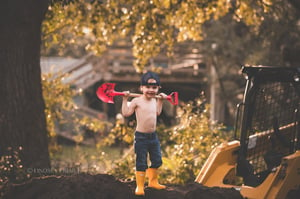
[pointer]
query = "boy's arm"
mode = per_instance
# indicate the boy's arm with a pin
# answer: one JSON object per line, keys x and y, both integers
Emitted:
{"x": 159, "y": 103}
{"x": 128, "y": 110}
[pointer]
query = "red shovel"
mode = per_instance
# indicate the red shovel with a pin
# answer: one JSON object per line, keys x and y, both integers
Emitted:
{"x": 106, "y": 93}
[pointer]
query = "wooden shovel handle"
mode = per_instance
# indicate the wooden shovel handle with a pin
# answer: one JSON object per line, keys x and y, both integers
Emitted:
{"x": 173, "y": 97}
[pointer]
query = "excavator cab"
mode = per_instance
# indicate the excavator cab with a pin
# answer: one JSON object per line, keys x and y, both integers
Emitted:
{"x": 263, "y": 161}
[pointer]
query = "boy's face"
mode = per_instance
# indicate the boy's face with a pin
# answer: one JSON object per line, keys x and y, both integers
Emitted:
{"x": 150, "y": 90}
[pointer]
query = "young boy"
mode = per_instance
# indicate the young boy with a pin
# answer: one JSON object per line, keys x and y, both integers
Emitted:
{"x": 146, "y": 108}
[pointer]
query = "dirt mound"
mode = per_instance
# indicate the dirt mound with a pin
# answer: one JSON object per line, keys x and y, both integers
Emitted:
{"x": 102, "y": 186}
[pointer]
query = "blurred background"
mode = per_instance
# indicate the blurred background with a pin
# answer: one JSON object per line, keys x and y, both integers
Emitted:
{"x": 197, "y": 47}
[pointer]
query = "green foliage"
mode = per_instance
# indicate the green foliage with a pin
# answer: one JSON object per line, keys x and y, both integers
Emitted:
{"x": 192, "y": 140}
{"x": 120, "y": 134}
{"x": 227, "y": 34}
{"x": 61, "y": 111}
{"x": 185, "y": 147}
{"x": 124, "y": 168}
{"x": 58, "y": 97}
{"x": 152, "y": 26}
{"x": 251, "y": 12}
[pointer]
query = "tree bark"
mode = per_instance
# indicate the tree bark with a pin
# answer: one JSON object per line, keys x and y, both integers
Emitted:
{"x": 22, "y": 117}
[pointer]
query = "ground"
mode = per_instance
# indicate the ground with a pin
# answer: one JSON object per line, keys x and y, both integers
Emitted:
{"x": 102, "y": 186}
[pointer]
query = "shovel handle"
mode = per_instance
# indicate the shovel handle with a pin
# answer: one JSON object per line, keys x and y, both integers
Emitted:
{"x": 173, "y": 97}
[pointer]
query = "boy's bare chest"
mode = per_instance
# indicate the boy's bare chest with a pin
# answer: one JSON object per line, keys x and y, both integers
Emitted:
{"x": 148, "y": 106}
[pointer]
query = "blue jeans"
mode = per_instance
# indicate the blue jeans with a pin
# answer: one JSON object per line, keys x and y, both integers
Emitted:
{"x": 145, "y": 143}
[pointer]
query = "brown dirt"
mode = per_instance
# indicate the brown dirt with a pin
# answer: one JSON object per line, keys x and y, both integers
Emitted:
{"x": 102, "y": 186}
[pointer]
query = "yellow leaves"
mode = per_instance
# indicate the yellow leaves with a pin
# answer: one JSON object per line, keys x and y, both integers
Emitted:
{"x": 128, "y": 138}
{"x": 170, "y": 164}
{"x": 221, "y": 8}
{"x": 61, "y": 111}
{"x": 86, "y": 30}
{"x": 188, "y": 19}
{"x": 162, "y": 3}
{"x": 96, "y": 49}
{"x": 193, "y": 139}
{"x": 120, "y": 133}
{"x": 146, "y": 41}
{"x": 267, "y": 3}
{"x": 52, "y": 134}
{"x": 78, "y": 138}
{"x": 251, "y": 12}
{"x": 152, "y": 25}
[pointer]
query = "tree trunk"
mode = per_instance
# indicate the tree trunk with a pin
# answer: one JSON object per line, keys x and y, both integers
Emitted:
{"x": 22, "y": 118}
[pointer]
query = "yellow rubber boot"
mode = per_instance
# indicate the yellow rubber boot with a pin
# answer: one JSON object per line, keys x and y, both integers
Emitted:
{"x": 152, "y": 174}
{"x": 140, "y": 182}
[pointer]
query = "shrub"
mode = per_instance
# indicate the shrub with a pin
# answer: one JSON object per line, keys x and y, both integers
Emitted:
{"x": 61, "y": 111}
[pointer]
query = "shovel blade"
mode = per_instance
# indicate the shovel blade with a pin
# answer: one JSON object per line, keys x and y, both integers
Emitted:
{"x": 105, "y": 92}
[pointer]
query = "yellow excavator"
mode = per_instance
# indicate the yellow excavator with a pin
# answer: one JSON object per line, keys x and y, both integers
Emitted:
{"x": 263, "y": 159}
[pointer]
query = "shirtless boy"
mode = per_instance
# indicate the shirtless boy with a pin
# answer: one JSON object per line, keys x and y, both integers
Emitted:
{"x": 146, "y": 108}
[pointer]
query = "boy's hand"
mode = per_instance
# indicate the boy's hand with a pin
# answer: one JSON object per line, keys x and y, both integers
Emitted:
{"x": 163, "y": 95}
{"x": 126, "y": 94}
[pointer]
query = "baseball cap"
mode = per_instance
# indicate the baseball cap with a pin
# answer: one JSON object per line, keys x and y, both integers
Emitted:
{"x": 150, "y": 75}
